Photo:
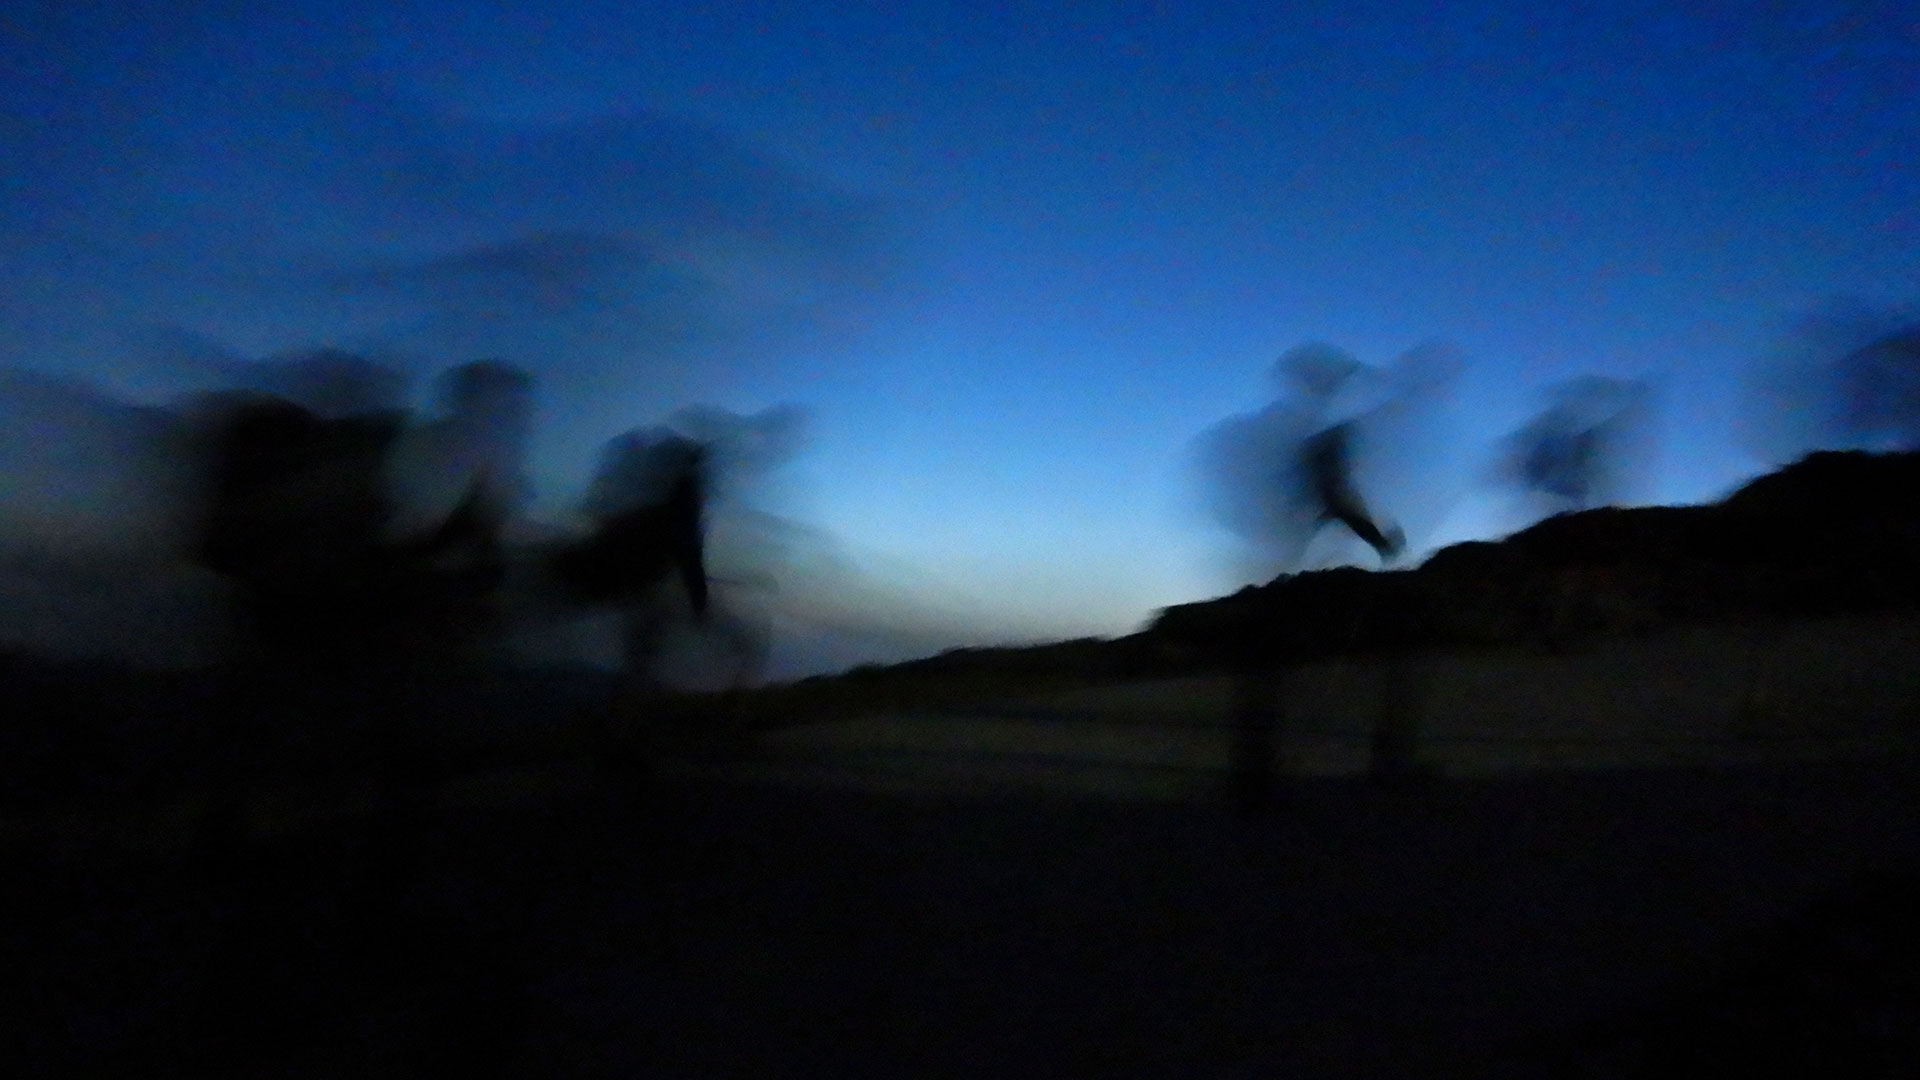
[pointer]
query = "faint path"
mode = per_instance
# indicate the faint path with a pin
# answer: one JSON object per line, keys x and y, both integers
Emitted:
{"x": 1837, "y": 690}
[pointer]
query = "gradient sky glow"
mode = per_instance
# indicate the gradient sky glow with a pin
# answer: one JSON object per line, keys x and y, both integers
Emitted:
{"x": 1013, "y": 261}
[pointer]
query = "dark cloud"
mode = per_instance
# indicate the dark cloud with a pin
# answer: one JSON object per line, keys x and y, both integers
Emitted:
{"x": 258, "y": 191}
{"x": 92, "y": 498}
{"x": 81, "y": 470}
{"x": 551, "y": 270}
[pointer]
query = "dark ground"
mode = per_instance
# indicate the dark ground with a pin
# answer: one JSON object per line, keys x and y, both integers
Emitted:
{"x": 1599, "y": 923}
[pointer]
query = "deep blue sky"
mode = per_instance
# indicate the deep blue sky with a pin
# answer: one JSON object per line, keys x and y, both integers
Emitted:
{"x": 1012, "y": 261}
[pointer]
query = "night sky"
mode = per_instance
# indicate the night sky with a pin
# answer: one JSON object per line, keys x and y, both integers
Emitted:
{"x": 1010, "y": 263}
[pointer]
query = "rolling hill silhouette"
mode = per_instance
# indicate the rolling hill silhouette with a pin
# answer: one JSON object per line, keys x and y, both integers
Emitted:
{"x": 1833, "y": 533}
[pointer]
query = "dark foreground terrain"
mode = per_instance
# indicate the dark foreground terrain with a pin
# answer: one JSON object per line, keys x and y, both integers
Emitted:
{"x": 1596, "y": 923}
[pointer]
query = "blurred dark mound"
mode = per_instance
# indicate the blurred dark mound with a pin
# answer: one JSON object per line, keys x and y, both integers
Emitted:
{"x": 1833, "y": 533}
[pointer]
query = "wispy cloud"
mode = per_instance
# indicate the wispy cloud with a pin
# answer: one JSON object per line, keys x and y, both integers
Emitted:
{"x": 270, "y": 201}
